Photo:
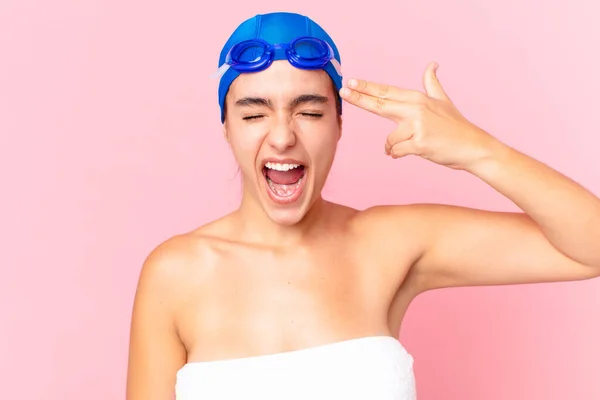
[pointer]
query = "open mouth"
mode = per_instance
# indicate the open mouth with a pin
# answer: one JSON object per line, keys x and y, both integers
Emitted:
{"x": 284, "y": 181}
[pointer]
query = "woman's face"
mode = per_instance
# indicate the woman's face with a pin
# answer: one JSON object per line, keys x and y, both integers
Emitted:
{"x": 283, "y": 127}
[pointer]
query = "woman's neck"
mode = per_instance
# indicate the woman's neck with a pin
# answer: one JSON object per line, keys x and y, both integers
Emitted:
{"x": 253, "y": 225}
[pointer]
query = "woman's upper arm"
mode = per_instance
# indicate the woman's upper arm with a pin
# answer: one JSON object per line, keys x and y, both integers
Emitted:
{"x": 459, "y": 246}
{"x": 476, "y": 247}
{"x": 155, "y": 351}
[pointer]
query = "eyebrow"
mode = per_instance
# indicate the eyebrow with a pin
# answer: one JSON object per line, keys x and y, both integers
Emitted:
{"x": 302, "y": 99}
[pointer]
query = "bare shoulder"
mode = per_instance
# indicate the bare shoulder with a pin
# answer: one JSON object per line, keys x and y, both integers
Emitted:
{"x": 167, "y": 265}
{"x": 182, "y": 254}
{"x": 156, "y": 351}
{"x": 171, "y": 256}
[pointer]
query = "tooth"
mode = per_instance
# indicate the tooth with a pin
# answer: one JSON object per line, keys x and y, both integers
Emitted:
{"x": 281, "y": 167}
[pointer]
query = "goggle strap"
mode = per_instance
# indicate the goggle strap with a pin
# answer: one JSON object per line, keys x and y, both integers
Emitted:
{"x": 338, "y": 67}
{"x": 219, "y": 73}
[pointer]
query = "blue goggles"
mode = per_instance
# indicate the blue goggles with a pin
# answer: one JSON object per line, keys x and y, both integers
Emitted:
{"x": 305, "y": 52}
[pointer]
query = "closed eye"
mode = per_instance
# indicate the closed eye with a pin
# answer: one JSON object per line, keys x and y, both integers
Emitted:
{"x": 306, "y": 114}
{"x": 252, "y": 117}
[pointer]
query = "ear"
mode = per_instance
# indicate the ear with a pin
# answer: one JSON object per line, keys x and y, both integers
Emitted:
{"x": 225, "y": 133}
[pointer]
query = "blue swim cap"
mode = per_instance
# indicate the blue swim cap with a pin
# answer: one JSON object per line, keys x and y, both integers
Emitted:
{"x": 275, "y": 28}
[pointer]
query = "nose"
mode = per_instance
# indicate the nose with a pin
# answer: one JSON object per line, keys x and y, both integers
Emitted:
{"x": 282, "y": 135}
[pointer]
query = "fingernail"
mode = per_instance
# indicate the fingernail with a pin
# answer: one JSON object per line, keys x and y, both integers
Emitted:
{"x": 352, "y": 83}
{"x": 345, "y": 92}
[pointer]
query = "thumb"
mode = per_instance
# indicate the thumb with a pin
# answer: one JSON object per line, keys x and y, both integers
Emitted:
{"x": 432, "y": 85}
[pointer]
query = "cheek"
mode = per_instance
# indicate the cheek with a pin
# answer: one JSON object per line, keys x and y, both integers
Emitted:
{"x": 321, "y": 144}
{"x": 245, "y": 146}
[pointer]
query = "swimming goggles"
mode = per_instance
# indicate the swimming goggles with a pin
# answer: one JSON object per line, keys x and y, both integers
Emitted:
{"x": 305, "y": 52}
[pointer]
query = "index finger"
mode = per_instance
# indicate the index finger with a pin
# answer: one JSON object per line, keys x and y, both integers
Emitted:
{"x": 391, "y": 109}
{"x": 384, "y": 91}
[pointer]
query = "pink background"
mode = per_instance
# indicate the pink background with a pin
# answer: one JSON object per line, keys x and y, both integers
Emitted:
{"x": 111, "y": 142}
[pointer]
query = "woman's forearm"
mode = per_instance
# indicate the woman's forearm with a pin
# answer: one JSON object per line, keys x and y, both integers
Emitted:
{"x": 567, "y": 213}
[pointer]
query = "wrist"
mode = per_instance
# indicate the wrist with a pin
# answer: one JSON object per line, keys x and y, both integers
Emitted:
{"x": 492, "y": 155}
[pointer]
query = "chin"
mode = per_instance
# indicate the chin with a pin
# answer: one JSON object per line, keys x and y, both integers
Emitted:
{"x": 287, "y": 214}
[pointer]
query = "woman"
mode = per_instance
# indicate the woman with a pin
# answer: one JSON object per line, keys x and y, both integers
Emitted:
{"x": 292, "y": 296}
